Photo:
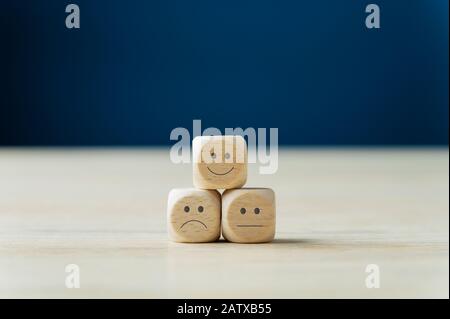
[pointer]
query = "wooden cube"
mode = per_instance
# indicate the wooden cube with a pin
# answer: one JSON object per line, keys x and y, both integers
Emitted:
{"x": 220, "y": 162}
{"x": 248, "y": 215}
{"x": 193, "y": 215}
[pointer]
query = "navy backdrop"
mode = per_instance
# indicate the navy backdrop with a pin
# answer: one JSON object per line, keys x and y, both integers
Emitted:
{"x": 137, "y": 69}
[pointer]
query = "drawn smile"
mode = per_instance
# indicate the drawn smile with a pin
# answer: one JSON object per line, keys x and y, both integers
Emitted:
{"x": 193, "y": 221}
{"x": 219, "y": 173}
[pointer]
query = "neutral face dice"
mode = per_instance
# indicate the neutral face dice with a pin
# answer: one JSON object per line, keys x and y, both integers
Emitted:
{"x": 248, "y": 215}
{"x": 193, "y": 215}
{"x": 220, "y": 162}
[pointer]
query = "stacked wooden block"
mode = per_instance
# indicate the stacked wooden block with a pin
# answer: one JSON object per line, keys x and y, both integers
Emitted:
{"x": 245, "y": 215}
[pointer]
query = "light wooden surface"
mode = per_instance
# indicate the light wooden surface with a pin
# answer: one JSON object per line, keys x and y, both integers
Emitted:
{"x": 337, "y": 212}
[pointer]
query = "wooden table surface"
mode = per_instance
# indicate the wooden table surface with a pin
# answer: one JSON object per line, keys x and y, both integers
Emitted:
{"x": 338, "y": 211}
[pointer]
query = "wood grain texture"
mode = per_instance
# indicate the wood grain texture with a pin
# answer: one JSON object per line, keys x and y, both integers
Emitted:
{"x": 193, "y": 215}
{"x": 220, "y": 162}
{"x": 337, "y": 212}
{"x": 248, "y": 215}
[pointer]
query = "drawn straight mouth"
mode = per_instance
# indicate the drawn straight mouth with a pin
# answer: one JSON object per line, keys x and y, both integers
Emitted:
{"x": 250, "y": 225}
{"x": 219, "y": 173}
{"x": 194, "y": 220}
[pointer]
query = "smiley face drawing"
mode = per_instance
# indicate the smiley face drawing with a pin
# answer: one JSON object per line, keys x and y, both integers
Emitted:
{"x": 248, "y": 215}
{"x": 220, "y": 162}
{"x": 193, "y": 215}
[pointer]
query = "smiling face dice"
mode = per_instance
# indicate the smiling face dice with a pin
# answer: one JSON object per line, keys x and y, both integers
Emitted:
{"x": 248, "y": 215}
{"x": 193, "y": 215}
{"x": 220, "y": 162}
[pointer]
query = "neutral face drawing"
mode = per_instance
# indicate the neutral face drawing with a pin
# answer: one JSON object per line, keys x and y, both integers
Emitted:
{"x": 248, "y": 215}
{"x": 220, "y": 162}
{"x": 193, "y": 215}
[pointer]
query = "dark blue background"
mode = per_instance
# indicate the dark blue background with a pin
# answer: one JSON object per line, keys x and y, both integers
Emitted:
{"x": 137, "y": 69}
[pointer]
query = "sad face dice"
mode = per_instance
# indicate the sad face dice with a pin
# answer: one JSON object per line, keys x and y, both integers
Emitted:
{"x": 193, "y": 215}
{"x": 220, "y": 162}
{"x": 248, "y": 215}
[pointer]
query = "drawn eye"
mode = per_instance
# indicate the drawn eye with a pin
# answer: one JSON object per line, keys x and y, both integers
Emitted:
{"x": 213, "y": 155}
{"x": 200, "y": 209}
{"x": 243, "y": 211}
{"x": 227, "y": 155}
{"x": 186, "y": 209}
{"x": 257, "y": 210}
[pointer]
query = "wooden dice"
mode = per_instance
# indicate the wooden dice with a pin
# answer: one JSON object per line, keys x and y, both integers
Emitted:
{"x": 197, "y": 215}
{"x": 193, "y": 215}
{"x": 248, "y": 215}
{"x": 220, "y": 162}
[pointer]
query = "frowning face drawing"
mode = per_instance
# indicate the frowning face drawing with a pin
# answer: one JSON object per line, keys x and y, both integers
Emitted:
{"x": 194, "y": 215}
{"x": 220, "y": 162}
